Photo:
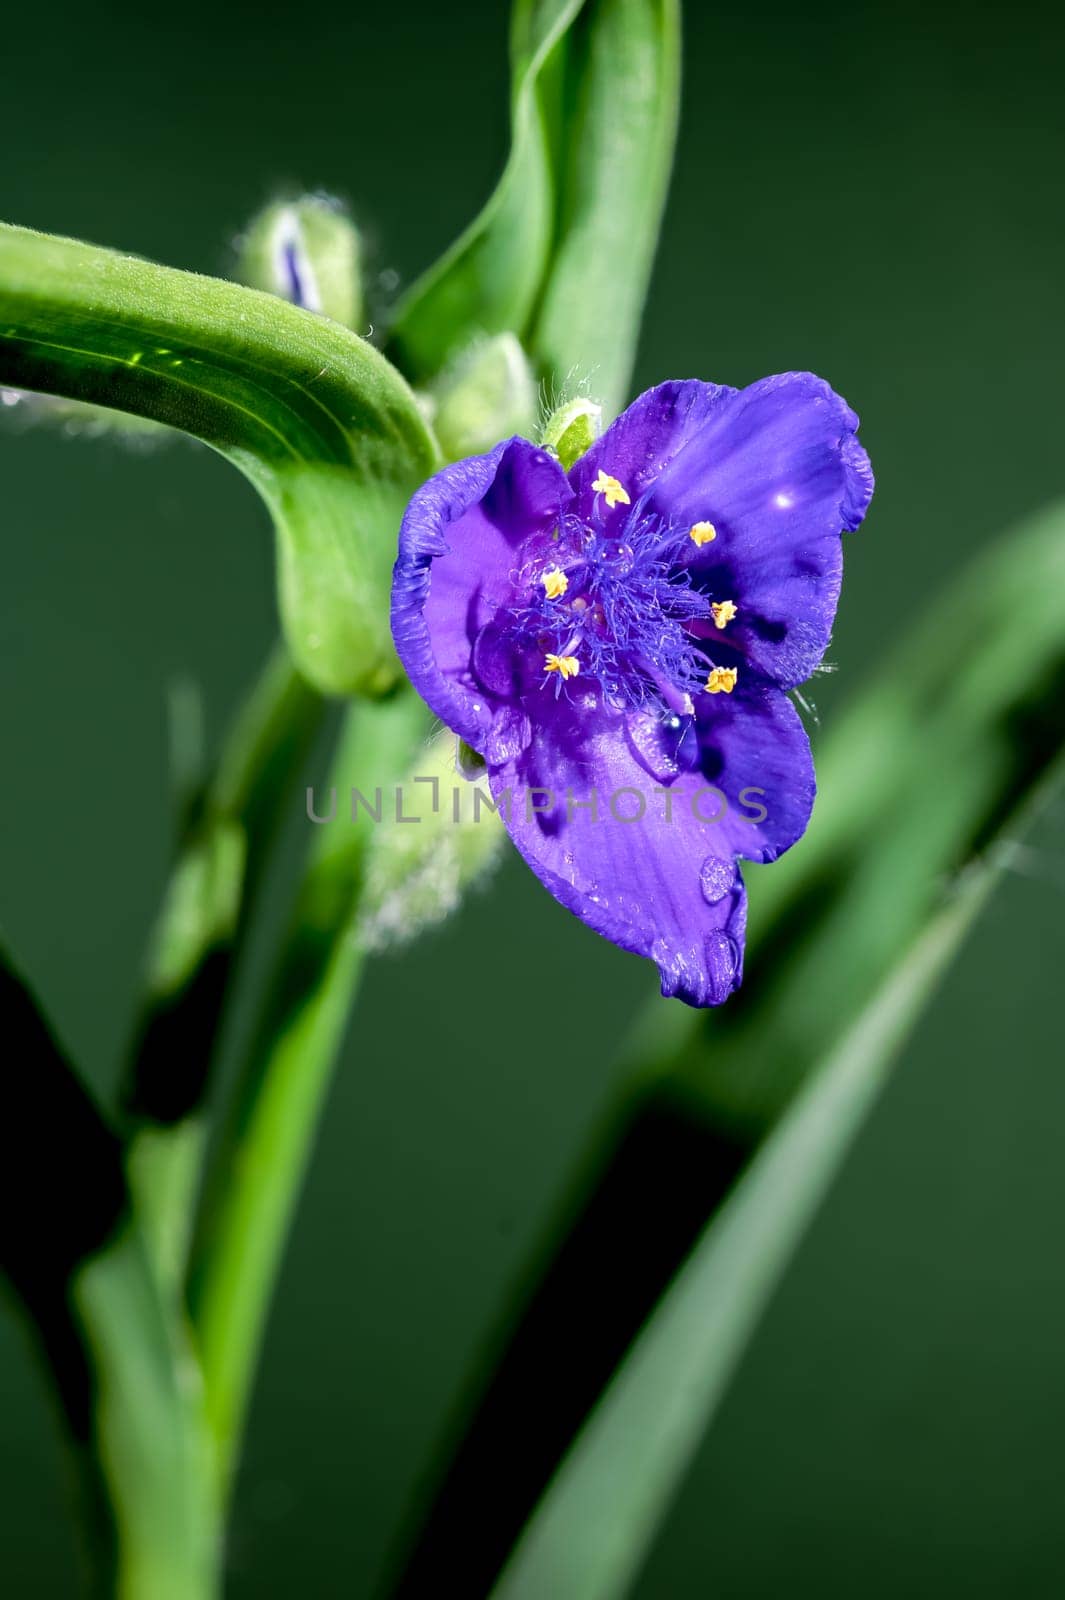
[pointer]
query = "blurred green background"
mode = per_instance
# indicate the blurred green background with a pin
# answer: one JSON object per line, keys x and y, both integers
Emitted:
{"x": 874, "y": 192}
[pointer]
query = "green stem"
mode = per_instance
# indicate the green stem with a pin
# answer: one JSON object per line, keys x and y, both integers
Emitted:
{"x": 264, "y": 1153}
{"x": 153, "y": 1448}
{"x": 231, "y": 1299}
{"x": 163, "y": 1165}
{"x": 198, "y": 940}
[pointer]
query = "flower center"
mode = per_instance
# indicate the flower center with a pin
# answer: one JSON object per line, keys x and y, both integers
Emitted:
{"x": 614, "y": 600}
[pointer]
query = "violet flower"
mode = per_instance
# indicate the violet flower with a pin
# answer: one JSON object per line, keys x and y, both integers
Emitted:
{"x": 618, "y": 643}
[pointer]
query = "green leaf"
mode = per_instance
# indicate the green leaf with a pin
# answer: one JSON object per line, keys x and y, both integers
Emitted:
{"x": 917, "y": 776}
{"x": 562, "y": 253}
{"x": 489, "y": 280}
{"x": 77, "y": 419}
{"x": 622, "y": 98}
{"x": 589, "y": 1536}
{"x": 121, "y": 1363}
{"x": 321, "y": 424}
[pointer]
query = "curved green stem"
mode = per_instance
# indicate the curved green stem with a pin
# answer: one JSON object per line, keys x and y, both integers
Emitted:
{"x": 319, "y": 421}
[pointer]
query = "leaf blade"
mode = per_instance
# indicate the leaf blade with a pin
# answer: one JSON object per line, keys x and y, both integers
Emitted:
{"x": 119, "y": 1359}
{"x": 489, "y": 279}
{"x": 594, "y": 1526}
{"x": 323, "y": 426}
{"x": 616, "y": 165}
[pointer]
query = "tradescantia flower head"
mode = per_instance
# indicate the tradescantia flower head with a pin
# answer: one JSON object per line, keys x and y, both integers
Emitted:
{"x": 618, "y": 642}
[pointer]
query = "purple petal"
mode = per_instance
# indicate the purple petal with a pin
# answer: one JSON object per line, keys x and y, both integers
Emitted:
{"x": 457, "y": 553}
{"x": 751, "y": 753}
{"x": 778, "y": 472}
{"x": 754, "y": 749}
{"x": 858, "y": 473}
{"x": 663, "y": 884}
{"x": 642, "y": 442}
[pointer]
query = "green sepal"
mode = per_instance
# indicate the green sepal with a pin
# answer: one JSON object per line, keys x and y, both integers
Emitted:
{"x": 572, "y": 430}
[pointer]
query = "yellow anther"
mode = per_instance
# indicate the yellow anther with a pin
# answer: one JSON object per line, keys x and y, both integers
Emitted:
{"x": 611, "y": 489}
{"x": 702, "y": 533}
{"x": 723, "y": 611}
{"x": 722, "y": 680}
{"x": 565, "y": 666}
{"x": 555, "y": 583}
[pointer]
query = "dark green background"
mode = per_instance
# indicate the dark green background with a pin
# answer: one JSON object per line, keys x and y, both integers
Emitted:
{"x": 875, "y": 193}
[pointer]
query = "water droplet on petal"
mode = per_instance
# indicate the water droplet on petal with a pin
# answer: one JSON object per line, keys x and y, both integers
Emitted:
{"x": 722, "y": 964}
{"x": 509, "y": 735}
{"x": 661, "y": 747}
{"x": 716, "y": 877}
{"x": 493, "y": 661}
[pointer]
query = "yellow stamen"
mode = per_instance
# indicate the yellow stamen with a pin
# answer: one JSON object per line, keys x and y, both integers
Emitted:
{"x": 555, "y": 583}
{"x": 701, "y": 532}
{"x": 565, "y": 666}
{"x": 723, "y": 611}
{"x": 611, "y": 489}
{"x": 722, "y": 680}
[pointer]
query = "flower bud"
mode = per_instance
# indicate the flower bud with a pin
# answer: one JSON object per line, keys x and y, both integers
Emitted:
{"x": 573, "y": 429}
{"x": 306, "y": 251}
{"x": 439, "y": 833}
{"x": 489, "y": 394}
